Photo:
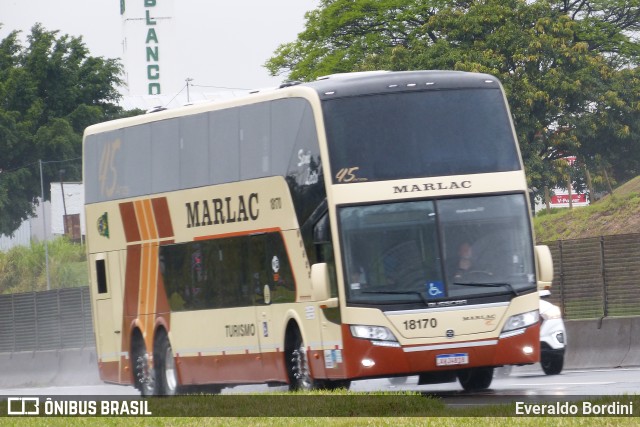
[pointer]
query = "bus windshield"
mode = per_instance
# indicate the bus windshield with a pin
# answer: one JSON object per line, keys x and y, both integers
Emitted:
{"x": 429, "y": 251}
{"x": 419, "y": 134}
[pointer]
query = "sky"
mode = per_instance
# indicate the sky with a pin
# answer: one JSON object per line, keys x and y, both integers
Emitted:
{"x": 217, "y": 43}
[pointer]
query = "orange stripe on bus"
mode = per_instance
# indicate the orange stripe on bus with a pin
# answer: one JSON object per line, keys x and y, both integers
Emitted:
{"x": 153, "y": 257}
{"x": 238, "y": 233}
{"x": 153, "y": 278}
{"x": 142, "y": 293}
{"x": 150, "y": 218}
{"x": 143, "y": 224}
{"x": 142, "y": 220}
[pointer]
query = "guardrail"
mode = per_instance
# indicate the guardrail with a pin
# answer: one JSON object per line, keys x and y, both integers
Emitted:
{"x": 49, "y": 320}
{"x": 597, "y": 277}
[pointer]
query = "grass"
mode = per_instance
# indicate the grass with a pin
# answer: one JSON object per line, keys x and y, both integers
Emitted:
{"x": 23, "y": 269}
{"x": 332, "y": 421}
{"x": 618, "y": 213}
{"x": 341, "y": 408}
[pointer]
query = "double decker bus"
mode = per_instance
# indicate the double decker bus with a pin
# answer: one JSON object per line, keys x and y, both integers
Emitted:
{"x": 360, "y": 226}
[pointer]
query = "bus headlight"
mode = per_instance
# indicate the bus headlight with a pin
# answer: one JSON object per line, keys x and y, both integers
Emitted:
{"x": 521, "y": 321}
{"x": 374, "y": 333}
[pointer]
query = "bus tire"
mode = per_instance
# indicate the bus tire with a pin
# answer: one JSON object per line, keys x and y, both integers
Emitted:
{"x": 165, "y": 366}
{"x": 473, "y": 379}
{"x": 144, "y": 376}
{"x": 297, "y": 363}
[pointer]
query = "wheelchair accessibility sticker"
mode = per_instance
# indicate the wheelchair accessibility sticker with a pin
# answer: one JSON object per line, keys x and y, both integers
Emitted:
{"x": 435, "y": 289}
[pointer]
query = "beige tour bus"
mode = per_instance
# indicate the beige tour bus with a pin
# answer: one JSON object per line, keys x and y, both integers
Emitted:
{"x": 364, "y": 225}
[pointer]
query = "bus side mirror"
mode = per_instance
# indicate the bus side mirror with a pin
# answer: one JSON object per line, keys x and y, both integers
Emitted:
{"x": 320, "y": 283}
{"x": 544, "y": 267}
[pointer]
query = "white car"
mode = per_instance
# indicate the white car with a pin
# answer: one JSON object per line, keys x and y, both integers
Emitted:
{"x": 553, "y": 336}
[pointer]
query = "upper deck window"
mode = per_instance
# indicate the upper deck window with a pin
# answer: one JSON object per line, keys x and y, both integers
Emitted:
{"x": 270, "y": 138}
{"x": 417, "y": 134}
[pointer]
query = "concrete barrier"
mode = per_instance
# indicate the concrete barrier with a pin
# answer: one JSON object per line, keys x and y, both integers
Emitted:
{"x": 602, "y": 343}
{"x": 49, "y": 368}
{"x": 592, "y": 343}
{"x": 633, "y": 356}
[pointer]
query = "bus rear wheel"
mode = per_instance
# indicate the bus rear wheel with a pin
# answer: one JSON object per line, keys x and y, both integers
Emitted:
{"x": 473, "y": 379}
{"x": 165, "y": 367}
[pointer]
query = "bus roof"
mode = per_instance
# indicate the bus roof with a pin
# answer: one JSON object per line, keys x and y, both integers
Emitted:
{"x": 374, "y": 82}
{"x": 327, "y": 87}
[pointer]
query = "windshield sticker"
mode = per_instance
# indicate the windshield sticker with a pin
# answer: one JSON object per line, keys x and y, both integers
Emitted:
{"x": 435, "y": 289}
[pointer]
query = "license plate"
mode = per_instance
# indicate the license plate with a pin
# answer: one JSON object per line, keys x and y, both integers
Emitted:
{"x": 452, "y": 359}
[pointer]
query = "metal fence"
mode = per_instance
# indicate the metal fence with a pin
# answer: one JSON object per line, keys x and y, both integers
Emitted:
{"x": 597, "y": 277}
{"x": 49, "y": 320}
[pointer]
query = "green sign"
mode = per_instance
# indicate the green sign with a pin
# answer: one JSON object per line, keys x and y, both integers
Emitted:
{"x": 153, "y": 68}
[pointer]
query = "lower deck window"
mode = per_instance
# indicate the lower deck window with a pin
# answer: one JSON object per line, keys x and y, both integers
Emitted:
{"x": 229, "y": 272}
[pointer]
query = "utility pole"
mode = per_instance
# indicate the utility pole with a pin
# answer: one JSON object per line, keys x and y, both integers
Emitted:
{"x": 65, "y": 227}
{"x": 188, "y": 80}
{"x": 44, "y": 224}
{"x": 64, "y": 204}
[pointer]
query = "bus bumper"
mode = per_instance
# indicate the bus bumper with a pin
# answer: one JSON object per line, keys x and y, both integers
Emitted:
{"x": 364, "y": 359}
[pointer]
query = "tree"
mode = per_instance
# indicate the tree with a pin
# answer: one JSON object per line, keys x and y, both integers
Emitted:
{"x": 50, "y": 91}
{"x": 567, "y": 66}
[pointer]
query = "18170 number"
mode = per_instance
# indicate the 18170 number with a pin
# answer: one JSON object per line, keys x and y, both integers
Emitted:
{"x": 425, "y": 323}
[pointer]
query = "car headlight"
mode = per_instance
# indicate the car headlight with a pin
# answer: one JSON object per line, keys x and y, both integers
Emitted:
{"x": 374, "y": 333}
{"x": 521, "y": 321}
{"x": 551, "y": 312}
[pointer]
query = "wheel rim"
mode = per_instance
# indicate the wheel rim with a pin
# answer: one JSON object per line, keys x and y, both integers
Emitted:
{"x": 170, "y": 371}
{"x": 145, "y": 374}
{"x": 301, "y": 369}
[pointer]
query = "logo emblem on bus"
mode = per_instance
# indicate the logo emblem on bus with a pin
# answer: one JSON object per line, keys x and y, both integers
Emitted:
{"x": 450, "y": 333}
{"x": 103, "y": 225}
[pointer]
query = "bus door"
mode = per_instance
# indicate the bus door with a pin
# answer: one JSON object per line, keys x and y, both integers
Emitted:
{"x": 266, "y": 334}
{"x": 104, "y": 268}
{"x": 264, "y": 265}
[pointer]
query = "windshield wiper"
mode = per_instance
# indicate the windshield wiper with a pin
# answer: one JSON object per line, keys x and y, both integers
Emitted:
{"x": 424, "y": 300}
{"x": 489, "y": 285}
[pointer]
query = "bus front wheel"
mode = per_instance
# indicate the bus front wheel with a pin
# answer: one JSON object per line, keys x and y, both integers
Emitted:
{"x": 143, "y": 369}
{"x": 297, "y": 363}
{"x": 473, "y": 379}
